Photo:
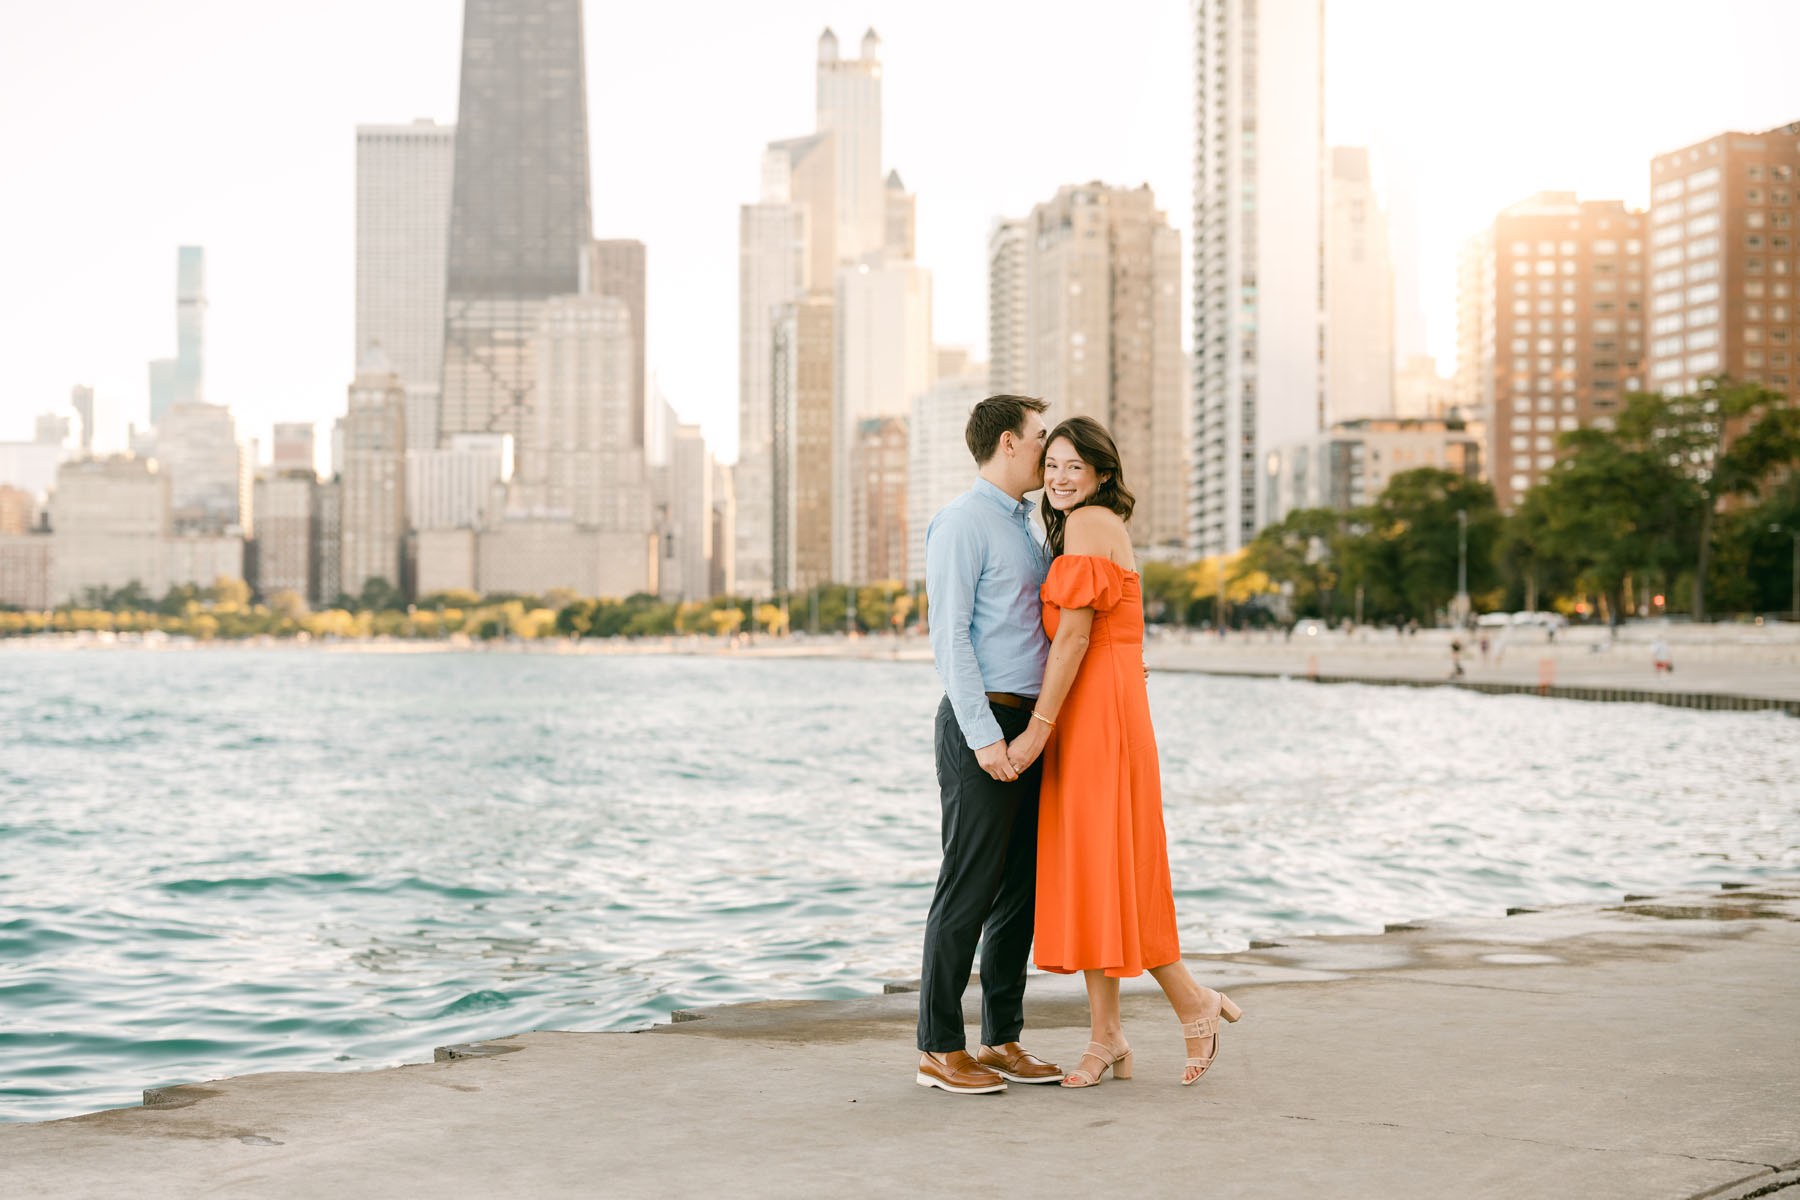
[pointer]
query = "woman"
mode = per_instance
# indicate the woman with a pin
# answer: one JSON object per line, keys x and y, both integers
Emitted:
{"x": 1105, "y": 906}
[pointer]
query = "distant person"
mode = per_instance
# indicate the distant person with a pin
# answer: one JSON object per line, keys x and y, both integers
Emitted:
{"x": 984, "y": 564}
{"x": 1105, "y": 905}
{"x": 1456, "y": 667}
{"x": 1660, "y": 660}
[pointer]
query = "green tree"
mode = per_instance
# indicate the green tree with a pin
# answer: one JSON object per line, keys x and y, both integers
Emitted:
{"x": 1727, "y": 440}
{"x": 1531, "y": 557}
{"x": 1616, "y": 505}
{"x": 378, "y": 595}
{"x": 1299, "y": 550}
{"x": 1402, "y": 549}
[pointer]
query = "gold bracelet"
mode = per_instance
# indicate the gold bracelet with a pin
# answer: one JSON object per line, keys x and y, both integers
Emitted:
{"x": 1046, "y": 720}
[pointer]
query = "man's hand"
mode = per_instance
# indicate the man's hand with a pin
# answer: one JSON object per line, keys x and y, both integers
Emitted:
{"x": 992, "y": 758}
{"x": 1027, "y": 746}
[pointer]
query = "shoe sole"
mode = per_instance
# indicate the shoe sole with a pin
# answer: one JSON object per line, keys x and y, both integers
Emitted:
{"x": 1057, "y": 1078}
{"x": 924, "y": 1080}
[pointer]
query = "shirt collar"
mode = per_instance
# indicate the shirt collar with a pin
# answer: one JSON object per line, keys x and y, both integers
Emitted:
{"x": 994, "y": 495}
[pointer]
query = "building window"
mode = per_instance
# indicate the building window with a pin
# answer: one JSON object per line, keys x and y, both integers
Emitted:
{"x": 1753, "y": 196}
{"x": 1753, "y": 358}
{"x": 1753, "y": 242}
{"x": 1753, "y": 172}
{"x": 1666, "y": 234}
{"x": 1778, "y": 337}
{"x": 1568, "y": 306}
{"x": 1754, "y": 220}
{"x": 1703, "y": 201}
{"x": 1753, "y": 287}
{"x": 1606, "y": 286}
{"x": 1753, "y": 335}
{"x": 1753, "y": 266}
{"x": 1606, "y": 347}
{"x": 1702, "y": 339}
{"x": 1604, "y": 306}
{"x": 1753, "y": 312}
{"x": 1521, "y": 287}
{"x": 1705, "y": 269}
{"x": 1700, "y": 363}
{"x": 1521, "y": 483}
{"x": 1546, "y": 248}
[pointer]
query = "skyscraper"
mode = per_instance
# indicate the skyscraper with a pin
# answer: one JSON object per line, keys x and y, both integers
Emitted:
{"x": 520, "y": 223}
{"x": 771, "y": 274}
{"x": 81, "y": 399}
{"x": 1563, "y": 307}
{"x": 849, "y": 105}
{"x": 1723, "y": 270}
{"x": 403, "y": 175}
{"x": 939, "y": 467}
{"x": 293, "y": 447}
{"x": 884, "y": 357}
{"x": 1258, "y": 234}
{"x": 1102, "y": 305}
{"x": 373, "y": 520}
{"x": 1009, "y": 294}
{"x": 802, "y": 444}
{"x": 1359, "y": 294}
{"x": 618, "y": 270}
{"x": 190, "y": 325}
{"x": 583, "y": 465}
{"x": 198, "y": 450}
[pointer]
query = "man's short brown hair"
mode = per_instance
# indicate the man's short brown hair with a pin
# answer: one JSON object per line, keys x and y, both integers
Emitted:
{"x": 997, "y": 415}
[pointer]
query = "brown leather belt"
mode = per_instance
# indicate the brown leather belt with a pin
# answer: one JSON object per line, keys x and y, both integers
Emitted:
{"x": 1008, "y": 700}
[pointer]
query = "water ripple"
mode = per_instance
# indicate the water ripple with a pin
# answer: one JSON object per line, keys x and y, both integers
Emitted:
{"x": 257, "y": 859}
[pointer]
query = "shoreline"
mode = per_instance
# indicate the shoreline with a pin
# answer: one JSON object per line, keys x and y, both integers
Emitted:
{"x": 1641, "y": 1047}
{"x": 1739, "y": 671}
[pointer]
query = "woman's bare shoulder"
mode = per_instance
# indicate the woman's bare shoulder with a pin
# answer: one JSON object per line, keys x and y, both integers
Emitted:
{"x": 1097, "y": 531}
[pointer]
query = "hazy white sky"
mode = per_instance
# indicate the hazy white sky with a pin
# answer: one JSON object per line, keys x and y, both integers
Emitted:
{"x": 127, "y": 128}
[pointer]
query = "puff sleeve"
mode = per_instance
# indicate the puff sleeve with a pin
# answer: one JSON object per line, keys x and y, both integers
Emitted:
{"x": 1084, "y": 581}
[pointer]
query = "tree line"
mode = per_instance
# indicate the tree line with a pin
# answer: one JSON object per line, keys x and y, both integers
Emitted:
{"x": 1692, "y": 499}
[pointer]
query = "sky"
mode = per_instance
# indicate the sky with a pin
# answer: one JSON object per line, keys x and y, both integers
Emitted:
{"x": 130, "y": 128}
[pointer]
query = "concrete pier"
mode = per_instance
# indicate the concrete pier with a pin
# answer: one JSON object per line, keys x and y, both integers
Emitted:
{"x": 1641, "y": 1049}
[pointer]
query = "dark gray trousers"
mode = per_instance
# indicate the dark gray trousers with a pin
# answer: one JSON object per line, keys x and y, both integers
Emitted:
{"x": 986, "y": 890}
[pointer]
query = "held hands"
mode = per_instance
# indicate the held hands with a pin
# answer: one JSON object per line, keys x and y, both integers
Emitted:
{"x": 1025, "y": 748}
{"x": 993, "y": 759}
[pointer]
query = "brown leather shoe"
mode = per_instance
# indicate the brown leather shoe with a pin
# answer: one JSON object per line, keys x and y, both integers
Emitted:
{"x": 955, "y": 1071}
{"x": 1011, "y": 1061}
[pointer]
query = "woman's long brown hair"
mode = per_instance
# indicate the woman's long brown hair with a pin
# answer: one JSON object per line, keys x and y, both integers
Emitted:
{"x": 1095, "y": 447}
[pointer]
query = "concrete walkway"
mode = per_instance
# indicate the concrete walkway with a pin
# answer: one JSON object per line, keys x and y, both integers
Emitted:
{"x": 1642, "y": 1050}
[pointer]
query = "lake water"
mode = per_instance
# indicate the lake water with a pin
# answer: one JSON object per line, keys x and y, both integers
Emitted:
{"x": 221, "y": 861}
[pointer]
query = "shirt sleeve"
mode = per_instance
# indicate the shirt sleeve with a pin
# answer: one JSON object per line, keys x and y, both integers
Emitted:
{"x": 953, "y": 560}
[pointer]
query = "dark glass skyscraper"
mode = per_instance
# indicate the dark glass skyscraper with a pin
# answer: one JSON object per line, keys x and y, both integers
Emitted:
{"x": 520, "y": 220}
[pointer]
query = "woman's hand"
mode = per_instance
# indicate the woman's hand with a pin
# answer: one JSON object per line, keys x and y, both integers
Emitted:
{"x": 1023, "y": 750}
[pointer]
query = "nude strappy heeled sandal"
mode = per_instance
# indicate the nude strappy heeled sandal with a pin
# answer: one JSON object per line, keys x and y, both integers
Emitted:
{"x": 1119, "y": 1064}
{"x": 1207, "y": 1027}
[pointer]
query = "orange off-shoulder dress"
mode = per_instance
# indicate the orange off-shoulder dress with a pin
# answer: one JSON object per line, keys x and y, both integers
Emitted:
{"x": 1104, "y": 900}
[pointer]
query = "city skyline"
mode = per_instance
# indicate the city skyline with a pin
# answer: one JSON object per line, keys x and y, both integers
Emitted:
{"x": 275, "y": 211}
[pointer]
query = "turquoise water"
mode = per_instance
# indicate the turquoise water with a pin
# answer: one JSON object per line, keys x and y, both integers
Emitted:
{"x": 221, "y": 861}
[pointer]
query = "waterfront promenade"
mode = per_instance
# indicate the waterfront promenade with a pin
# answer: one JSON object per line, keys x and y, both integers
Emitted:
{"x": 1639, "y": 1050}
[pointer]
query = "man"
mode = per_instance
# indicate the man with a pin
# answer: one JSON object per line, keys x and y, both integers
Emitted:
{"x": 984, "y": 564}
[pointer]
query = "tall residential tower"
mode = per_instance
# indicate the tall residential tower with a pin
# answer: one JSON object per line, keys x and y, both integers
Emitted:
{"x": 403, "y": 177}
{"x": 1259, "y": 256}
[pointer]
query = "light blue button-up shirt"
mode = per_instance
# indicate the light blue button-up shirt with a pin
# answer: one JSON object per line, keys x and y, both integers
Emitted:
{"x": 984, "y": 564}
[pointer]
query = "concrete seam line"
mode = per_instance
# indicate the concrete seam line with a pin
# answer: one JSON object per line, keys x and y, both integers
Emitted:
{"x": 1502, "y": 1137}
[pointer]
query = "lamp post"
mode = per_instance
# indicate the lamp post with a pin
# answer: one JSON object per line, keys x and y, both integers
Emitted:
{"x": 1461, "y": 603}
{"x": 1794, "y": 594}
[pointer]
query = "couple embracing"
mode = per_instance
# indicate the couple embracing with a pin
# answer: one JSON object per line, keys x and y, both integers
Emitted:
{"x": 1046, "y": 761}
